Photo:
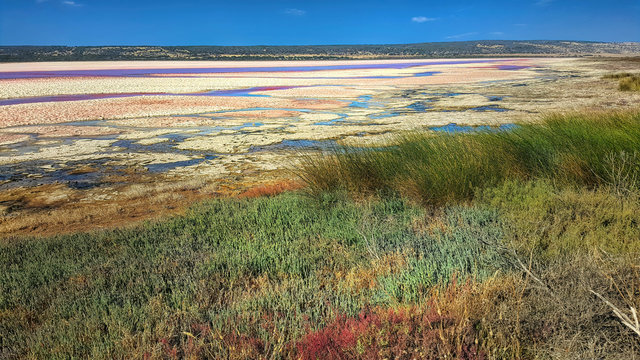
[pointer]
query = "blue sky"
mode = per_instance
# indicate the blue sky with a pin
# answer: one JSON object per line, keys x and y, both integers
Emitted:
{"x": 249, "y": 22}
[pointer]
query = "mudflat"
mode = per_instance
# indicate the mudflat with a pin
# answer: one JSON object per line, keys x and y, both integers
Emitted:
{"x": 92, "y": 144}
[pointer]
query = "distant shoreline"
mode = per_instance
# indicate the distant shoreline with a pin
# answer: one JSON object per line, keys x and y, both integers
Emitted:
{"x": 461, "y": 49}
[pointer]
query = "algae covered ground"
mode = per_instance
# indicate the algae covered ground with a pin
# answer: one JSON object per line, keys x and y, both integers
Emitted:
{"x": 504, "y": 245}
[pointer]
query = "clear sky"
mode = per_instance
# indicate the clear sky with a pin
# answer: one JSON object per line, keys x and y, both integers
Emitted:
{"x": 263, "y": 22}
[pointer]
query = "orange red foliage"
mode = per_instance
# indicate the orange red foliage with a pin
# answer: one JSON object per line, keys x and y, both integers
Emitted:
{"x": 393, "y": 334}
{"x": 271, "y": 189}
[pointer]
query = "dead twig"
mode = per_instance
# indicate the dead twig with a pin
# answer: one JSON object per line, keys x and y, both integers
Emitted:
{"x": 626, "y": 320}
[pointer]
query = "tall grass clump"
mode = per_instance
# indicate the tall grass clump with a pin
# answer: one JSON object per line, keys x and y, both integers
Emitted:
{"x": 631, "y": 83}
{"x": 626, "y": 81}
{"x": 586, "y": 149}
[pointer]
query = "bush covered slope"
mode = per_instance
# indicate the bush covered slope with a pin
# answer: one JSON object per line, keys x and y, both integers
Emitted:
{"x": 420, "y": 50}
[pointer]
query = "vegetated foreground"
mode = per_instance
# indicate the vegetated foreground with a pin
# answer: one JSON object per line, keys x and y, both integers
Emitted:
{"x": 525, "y": 243}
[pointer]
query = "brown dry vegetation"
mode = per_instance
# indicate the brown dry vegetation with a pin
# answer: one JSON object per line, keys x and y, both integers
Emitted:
{"x": 271, "y": 188}
{"x": 56, "y": 209}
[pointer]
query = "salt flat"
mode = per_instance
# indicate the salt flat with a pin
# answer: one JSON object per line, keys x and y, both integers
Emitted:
{"x": 93, "y": 130}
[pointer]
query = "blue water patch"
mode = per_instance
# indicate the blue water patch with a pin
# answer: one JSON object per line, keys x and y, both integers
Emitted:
{"x": 175, "y": 137}
{"x": 489, "y": 108}
{"x": 445, "y": 94}
{"x": 205, "y": 130}
{"x": 163, "y": 148}
{"x": 341, "y": 119}
{"x": 337, "y": 121}
{"x": 41, "y": 172}
{"x": 362, "y": 102}
{"x": 359, "y": 104}
{"x": 155, "y": 168}
{"x": 512, "y": 67}
{"x": 239, "y": 127}
{"x": 419, "y": 106}
{"x": 133, "y": 145}
{"x": 508, "y": 126}
{"x": 234, "y": 92}
{"x": 426, "y": 73}
{"x": 333, "y": 122}
{"x": 455, "y": 128}
{"x": 495, "y": 98}
{"x": 297, "y": 145}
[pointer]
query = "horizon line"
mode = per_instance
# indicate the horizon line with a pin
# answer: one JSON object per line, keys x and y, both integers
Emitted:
{"x": 345, "y": 44}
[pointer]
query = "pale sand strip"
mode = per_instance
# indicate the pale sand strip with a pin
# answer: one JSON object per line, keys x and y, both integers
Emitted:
{"x": 120, "y": 108}
{"x": 64, "y": 131}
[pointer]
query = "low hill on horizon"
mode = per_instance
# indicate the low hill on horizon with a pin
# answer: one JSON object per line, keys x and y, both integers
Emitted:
{"x": 455, "y": 49}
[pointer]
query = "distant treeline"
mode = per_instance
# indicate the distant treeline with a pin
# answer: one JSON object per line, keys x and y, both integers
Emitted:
{"x": 311, "y": 52}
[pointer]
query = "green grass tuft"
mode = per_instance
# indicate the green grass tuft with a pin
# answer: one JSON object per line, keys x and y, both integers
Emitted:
{"x": 627, "y": 81}
{"x": 631, "y": 83}
{"x": 576, "y": 149}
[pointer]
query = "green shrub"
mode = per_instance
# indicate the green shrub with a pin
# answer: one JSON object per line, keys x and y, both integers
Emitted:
{"x": 631, "y": 83}
{"x": 468, "y": 247}
{"x": 553, "y": 222}
{"x": 626, "y": 81}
